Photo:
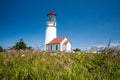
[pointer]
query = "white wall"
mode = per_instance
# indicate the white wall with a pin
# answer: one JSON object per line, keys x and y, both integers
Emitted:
{"x": 68, "y": 47}
{"x": 61, "y": 44}
{"x": 50, "y": 34}
{"x": 48, "y": 47}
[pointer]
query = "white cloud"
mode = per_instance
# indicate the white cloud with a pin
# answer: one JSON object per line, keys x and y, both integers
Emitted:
{"x": 114, "y": 44}
{"x": 99, "y": 46}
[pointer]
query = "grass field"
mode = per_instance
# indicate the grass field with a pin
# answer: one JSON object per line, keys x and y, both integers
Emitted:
{"x": 38, "y": 65}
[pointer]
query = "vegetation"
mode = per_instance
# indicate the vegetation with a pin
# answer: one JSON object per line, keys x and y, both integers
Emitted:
{"x": 76, "y": 50}
{"x": 1, "y": 49}
{"x": 38, "y": 65}
{"x": 21, "y": 45}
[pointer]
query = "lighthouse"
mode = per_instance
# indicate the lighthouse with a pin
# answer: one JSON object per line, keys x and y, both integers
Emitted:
{"x": 52, "y": 42}
{"x": 50, "y": 27}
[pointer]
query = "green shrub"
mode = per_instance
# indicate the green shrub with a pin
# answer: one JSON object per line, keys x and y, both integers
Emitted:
{"x": 1, "y": 49}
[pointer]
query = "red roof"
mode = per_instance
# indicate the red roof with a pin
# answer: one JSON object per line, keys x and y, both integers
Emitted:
{"x": 57, "y": 40}
{"x": 66, "y": 42}
{"x": 51, "y": 13}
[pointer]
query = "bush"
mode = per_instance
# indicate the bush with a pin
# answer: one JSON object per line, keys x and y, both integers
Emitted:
{"x": 21, "y": 45}
{"x": 1, "y": 49}
{"x": 76, "y": 50}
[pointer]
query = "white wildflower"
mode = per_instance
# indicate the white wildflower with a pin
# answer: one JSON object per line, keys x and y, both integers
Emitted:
{"x": 22, "y": 55}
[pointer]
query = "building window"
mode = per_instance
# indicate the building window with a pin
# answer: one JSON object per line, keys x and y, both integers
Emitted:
{"x": 56, "y": 47}
{"x": 51, "y": 47}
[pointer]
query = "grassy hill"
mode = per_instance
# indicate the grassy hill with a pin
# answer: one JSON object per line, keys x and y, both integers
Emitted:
{"x": 38, "y": 65}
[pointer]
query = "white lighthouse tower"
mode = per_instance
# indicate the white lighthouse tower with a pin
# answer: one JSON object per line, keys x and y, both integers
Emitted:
{"x": 50, "y": 27}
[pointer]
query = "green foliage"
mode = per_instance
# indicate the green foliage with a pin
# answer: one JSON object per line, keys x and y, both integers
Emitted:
{"x": 35, "y": 65}
{"x": 77, "y": 50}
{"x": 1, "y": 49}
{"x": 20, "y": 45}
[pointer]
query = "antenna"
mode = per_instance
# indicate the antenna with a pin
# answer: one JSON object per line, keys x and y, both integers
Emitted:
{"x": 108, "y": 46}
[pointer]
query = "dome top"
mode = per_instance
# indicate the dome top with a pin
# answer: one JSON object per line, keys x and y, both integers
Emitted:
{"x": 51, "y": 13}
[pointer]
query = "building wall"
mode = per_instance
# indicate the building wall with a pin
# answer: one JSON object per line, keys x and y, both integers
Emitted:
{"x": 65, "y": 47}
{"x": 61, "y": 46}
{"x": 68, "y": 47}
{"x": 53, "y": 47}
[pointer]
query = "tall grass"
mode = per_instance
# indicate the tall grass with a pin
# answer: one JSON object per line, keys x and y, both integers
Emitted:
{"x": 37, "y": 65}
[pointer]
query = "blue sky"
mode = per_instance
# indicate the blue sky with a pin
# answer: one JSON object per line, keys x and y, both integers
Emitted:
{"x": 84, "y": 22}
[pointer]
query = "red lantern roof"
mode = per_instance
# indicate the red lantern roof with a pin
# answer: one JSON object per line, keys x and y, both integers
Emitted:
{"x": 51, "y": 13}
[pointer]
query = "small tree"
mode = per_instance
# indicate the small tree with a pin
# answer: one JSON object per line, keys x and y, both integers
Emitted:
{"x": 1, "y": 49}
{"x": 77, "y": 50}
{"x": 20, "y": 45}
{"x": 30, "y": 48}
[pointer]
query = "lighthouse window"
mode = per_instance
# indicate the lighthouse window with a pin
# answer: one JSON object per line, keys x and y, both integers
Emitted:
{"x": 51, "y": 18}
